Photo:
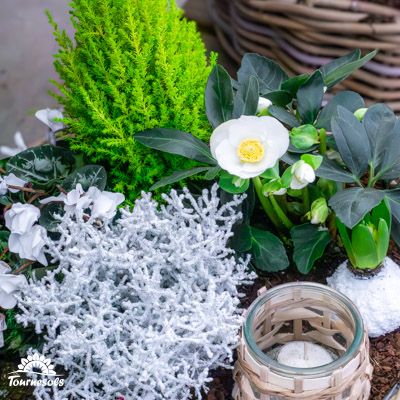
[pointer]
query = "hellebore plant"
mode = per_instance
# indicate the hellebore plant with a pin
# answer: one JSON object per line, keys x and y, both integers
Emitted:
{"x": 270, "y": 137}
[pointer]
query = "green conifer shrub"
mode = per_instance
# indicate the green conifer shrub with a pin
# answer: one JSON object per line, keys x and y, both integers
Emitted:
{"x": 132, "y": 65}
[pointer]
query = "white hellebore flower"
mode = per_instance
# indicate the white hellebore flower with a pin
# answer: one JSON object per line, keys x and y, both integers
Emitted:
{"x": 302, "y": 175}
{"x": 263, "y": 104}
{"x": 247, "y": 146}
{"x": 104, "y": 203}
{"x": 47, "y": 116}
{"x": 9, "y": 285}
{"x": 30, "y": 245}
{"x": 21, "y": 217}
{"x": 8, "y": 180}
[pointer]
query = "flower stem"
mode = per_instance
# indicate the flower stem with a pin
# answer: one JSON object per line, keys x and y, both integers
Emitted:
{"x": 23, "y": 267}
{"x": 265, "y": 203}
{"x": 322, "y": 141}
{"x": 281, "y": 215}
{"x": 306, "y": 199}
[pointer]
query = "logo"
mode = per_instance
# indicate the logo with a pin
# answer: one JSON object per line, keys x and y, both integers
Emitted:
{"x": 35, "y": 370}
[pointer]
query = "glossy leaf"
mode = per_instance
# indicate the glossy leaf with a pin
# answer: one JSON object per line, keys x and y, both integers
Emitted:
{"x": 269, "y": 74}
{"x": 219, "y": 96}
{"x": 176, "y": 142}
{"x": 178, "y": 176}
{"x": 241, "y": 241}
{"x": 284, "y": 116}
{"x": 364, "y": 247}
{"x": 246, "y": 98}
{"x": 350, "y": 100}
{"x": 345, "y": 67}
{"x": 309, "y": 98}
{"x": 268, "y": 252}
{"x": 351, "y": 205}
{"x": 42, "y": 165}
{"x": 336, "y": 63}
{"x": 309, "y": 245}
{"x": 351, "y": 141}
{"x": 379, "y": 122}
{"x": 329, "y": 169}
{"x": 48, "y": 217}
{"x": 87, "y": 176}
{"x": 279, "y": 97}
{"x": 292, "y": 84}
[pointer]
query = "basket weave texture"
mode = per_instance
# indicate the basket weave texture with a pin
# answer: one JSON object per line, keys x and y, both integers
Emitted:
{"x": 305, "y": 319}
{"x": 304, "y": 34}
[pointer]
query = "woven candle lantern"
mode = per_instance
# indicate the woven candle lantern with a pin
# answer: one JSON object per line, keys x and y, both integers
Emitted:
{"x": 307, "y": 313}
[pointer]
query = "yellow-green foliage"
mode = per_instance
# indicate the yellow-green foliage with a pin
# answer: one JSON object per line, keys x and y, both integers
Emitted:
{"x": 134, "y": 64}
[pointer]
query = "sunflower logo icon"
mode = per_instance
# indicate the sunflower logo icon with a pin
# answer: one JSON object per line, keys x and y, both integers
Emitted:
{"x": 36, "y": 364}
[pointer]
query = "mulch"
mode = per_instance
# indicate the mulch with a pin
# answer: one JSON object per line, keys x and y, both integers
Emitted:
{"x": 384, "y": 350}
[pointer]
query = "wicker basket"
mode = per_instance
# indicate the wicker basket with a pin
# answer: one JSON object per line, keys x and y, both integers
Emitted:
{"x": 303, "y": 312}
{"x": 303, "y": 35}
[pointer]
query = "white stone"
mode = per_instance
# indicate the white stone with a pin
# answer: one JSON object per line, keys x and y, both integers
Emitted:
{"x": 377, "y": 297}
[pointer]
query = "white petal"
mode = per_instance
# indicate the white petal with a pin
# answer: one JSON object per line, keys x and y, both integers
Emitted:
{"x": 19, "y": 141}
{"x": 60, "y": 197}
{"x": 227, "y": 158}
{"x": 220, "y": 134}
{"x": 296, "y": 184}
{"x": 7, "y": 301}
{"x": 10, "y": 283}
{"x": 4, "y": 268}
{"x": 13, "y": 180}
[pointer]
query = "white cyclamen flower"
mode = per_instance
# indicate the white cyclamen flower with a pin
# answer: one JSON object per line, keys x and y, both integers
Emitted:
{"x": 47, "y": 116}
{"x": 104, "y": 203}
{"x": 10, "y": 180}
{"x": 302, "y": 175}
{"x": 21, "y": 217}
{"x": 29, "y": 245}
{"x": 247, "y": 146}
{"x": 75, "y": 199}
{"x": 263, "y": 104}
{"x": 12, "y": 151}
{"x": 9, "y": 285}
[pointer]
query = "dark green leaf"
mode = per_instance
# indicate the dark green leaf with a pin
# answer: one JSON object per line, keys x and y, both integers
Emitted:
{"x": 350, "y": 100}
{"x": 341, "y": 72}
{"x": 246, "y": 98}
{"x": 279, "y": 97}
{"x": 351, "y": 205}
{"x": 176, "y": 142}
{"x": 47, "y": 216}
{"x": 351, "y": 141}
{"x": 241, "y": 240}
{"x": 379, "y": 122}
{"x": 309, "y": 98}
{"x": 268, "y": 252}
{"x": 178, "y": 176}
{"x": 309, "y": 245}
{"x": 395, "y": 232}
{"x": 42, "y": 165}
{"x": 329, "y": 169}
{"x": 219, "y": 96}
{"x": 284, "y": 116}
{"x": 269, "y": 74}
{"x": 212, "y": 173}
{"x": 292, "y": 84}
{"x": 87, "y": 176}
{"x": 330, "y": 67}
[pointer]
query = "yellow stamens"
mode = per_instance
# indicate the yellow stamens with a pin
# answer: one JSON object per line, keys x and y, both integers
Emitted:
{"x": 250, "y": 150}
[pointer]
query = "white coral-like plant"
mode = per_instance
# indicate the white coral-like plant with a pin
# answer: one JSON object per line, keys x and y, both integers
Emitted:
{"x": 143, "y": 307}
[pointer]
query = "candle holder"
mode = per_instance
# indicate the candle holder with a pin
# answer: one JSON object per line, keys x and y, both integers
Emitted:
{"x": 307, "y": 312}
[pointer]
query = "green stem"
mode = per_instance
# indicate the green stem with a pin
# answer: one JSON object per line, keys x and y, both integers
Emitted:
{"x": 371, "y": 178}
{"x": 281, "y": 215}
{"x": 265, "y": 203}
{"x": 306, "y": 199}
{"x": 322, "y": 141}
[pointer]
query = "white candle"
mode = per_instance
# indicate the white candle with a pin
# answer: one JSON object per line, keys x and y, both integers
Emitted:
{"x": 304, "y": 355}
